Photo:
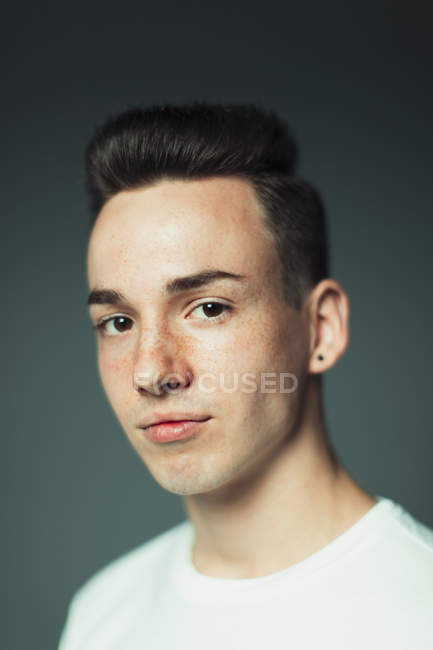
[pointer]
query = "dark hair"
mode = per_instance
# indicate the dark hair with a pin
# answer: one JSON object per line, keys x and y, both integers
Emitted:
{"x": 145, "y": 145}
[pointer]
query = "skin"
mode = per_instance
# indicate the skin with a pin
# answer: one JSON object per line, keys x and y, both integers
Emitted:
{"x": 259, "y": 482}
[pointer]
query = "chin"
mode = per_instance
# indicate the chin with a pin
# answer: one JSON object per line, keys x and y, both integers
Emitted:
{"x": 188, "y": 482}
{"x": 187, "y": 475}
{"x": 188, "y": 487}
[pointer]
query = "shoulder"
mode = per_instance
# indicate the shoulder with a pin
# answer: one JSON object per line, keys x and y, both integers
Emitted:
{"x": 137, "y": 573}
{"x": 405, "y": 557}
{"x": 145, "y": 560}
{"x": 411, "y": 534}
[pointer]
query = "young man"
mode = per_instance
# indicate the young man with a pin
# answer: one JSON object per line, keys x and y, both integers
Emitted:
{"x": 215, "y": 319}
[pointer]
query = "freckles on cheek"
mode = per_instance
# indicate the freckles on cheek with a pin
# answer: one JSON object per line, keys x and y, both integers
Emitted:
{"x": 112, "y": 369}
{"x": 264, "y": 347}
{"x": 253, "y": 344}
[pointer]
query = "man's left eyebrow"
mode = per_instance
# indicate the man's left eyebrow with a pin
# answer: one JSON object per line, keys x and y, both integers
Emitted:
{"x": 197, "y": 280}
{"x": 176, "y": 285}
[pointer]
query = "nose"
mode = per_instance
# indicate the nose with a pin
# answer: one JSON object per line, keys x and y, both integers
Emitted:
{"x": 160, "y": 366}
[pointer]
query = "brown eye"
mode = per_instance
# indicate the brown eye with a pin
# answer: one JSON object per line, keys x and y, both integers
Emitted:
{"x": 115, "y": 325}
{"x": 121, "y": 324}
{"x": 211, "y": 311}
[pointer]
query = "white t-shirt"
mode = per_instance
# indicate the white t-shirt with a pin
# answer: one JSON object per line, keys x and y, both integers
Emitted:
{"x": 370, "y": 589}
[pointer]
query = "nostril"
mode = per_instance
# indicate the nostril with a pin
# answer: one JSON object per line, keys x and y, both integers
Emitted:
{"x": 174, "y": 381}
{"x": 157, "y": 384}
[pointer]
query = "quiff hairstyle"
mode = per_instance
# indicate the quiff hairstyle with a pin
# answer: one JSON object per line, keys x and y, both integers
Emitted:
{"x": 143, "y": 146}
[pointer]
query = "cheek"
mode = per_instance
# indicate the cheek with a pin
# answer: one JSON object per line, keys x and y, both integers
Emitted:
{"x": 239, "y": 361}
{"x": 114, "y": 373}
{"x": 233, "y": 352}
{"x": 263, "y": 347}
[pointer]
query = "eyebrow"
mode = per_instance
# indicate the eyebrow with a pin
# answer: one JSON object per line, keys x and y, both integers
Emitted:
{"x": 177, "y": 285}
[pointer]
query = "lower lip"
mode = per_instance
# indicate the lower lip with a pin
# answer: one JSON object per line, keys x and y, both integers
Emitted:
{"x": 171, "y": 431}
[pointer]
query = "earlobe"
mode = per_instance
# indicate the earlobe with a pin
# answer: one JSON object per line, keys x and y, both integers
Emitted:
{"x": 329, "y": 317}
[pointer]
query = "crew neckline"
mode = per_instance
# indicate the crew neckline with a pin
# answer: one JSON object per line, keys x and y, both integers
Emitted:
{"x": 194, "y": 584}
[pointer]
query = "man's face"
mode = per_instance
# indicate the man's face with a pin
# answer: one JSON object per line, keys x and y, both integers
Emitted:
{"x": 141, "y": 241}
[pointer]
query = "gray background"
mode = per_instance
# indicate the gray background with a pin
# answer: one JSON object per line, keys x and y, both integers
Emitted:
{"x": 354, "y": 81}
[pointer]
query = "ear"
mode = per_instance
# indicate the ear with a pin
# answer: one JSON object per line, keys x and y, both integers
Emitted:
{"x": 328, "y": 307}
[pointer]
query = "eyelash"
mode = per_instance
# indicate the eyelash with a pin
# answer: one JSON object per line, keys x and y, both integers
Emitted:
{"x": 100, "y": 326}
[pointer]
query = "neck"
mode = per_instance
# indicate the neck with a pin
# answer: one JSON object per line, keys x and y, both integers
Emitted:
{"x": 294, "y": 506}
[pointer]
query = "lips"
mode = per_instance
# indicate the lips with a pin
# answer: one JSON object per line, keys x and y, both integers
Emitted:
{"x": 173, "y": 430}
{"x": 159, "y": 418}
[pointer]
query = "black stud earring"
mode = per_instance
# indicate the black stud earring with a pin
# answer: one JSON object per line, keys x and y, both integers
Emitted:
{"x": 320, "y": 357}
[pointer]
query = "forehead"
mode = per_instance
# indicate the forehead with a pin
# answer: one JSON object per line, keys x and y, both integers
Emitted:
{"x": 143, "y": 237}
